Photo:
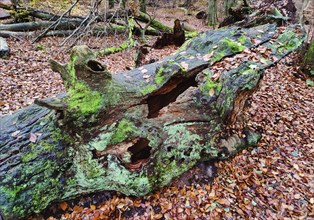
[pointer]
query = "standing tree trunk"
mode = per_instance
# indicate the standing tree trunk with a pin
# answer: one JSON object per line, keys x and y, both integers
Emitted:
{"x": 227, "y": 5}
{"x": 111, "y": 4}
{"x": 134, "y": 131}
{"x": 143, "y": 6}
{"x": 212, "y": 12}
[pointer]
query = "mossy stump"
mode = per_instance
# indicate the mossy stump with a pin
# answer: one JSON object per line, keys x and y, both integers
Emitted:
{"x": 135, "y": 131}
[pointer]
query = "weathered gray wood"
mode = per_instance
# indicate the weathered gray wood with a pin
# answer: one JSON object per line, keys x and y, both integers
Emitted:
{"x": 4, "y": 15}
{"x": 32, "y": 26}
{"x": 134, "y": 131}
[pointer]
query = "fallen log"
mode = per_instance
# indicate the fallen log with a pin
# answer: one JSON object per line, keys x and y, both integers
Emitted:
{"x": 33, "y": 26}
{"x": 4, "y": 15}
{"x": 154, "y": 23}
{"x": 135, "y": 131}
{"x": 97, "y": 31}
{"x": 7, "y": 34}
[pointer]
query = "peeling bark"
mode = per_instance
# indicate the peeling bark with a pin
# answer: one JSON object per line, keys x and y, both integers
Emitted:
{"x": 134, "y": 131}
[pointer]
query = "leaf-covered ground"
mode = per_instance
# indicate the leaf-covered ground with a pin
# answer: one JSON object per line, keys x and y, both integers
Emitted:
{"x": 274, "y": 180}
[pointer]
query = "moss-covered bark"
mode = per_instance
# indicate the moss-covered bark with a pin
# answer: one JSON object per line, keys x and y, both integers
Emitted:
{"x": 134, "y": 131}
{"x": 308, "y": 61}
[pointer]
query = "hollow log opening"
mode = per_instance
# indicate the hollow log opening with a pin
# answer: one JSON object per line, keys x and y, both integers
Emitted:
{"x": 140, "y": 150}
{"x": 95, "y": 65}
{"x": 158, "y": 101}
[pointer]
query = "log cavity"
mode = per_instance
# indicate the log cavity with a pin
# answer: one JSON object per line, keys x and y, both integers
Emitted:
{"x": 140, "y": 150}
{"x": 95, "y": 66}
{"x": 168, "y": 94}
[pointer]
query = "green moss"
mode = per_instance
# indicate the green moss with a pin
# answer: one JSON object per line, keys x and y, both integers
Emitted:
{"x": 243, "y": 39}
{"x": 191, "y": 34}
{"x": 40, "y": 47}
{"x": 309, "y": 59}
{"x": 29, "y": 156}
{"x": 173, "y": 65}
{"x": 148, "y": 89}
{"x": 218, "y": 55}
{"x": 165, "y": 71}
{"x": 44, "y": 146}
{"x": 288, "y": 41}
{"x": 233, "y": 32}
{"x": 71, "y": 68}
{"x": 276, "y": 12}
{"x": 92, "y": 168}
{"x": 285, "y": 36}
{"x": 169, "y": 171}
{"x": 309, "y": 83}
{"x": 113, "y": 94}
{"x": 100, "y": 143}
{"x": 226, "y": 47}
{"x": 124, "y": 128}
{"x": 208, "y": 85}
{"x": 114, "y": 134}
{"x": 234, "y": 46}
{"x": 12, "y": 191}
{"x": 90, "y": 174}
{"x": 83, "y": 100}
{"x": 185, "y": 45}
{"x": 183, "y": 150}
{"x": 126, "y": 44}
{"x": 160, "y": 77}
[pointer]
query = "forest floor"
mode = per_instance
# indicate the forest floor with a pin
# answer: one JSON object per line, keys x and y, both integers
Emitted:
{"x": 274, "y": 180}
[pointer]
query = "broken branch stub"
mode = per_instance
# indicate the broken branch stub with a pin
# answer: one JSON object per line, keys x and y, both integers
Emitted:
{"x": 135, "y": 131}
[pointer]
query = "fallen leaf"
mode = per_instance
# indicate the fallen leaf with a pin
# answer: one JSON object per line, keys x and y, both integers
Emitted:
{"x": 63, "y": 205}
{"x": 211, "y": 92}
{"x": 32, "y": 138}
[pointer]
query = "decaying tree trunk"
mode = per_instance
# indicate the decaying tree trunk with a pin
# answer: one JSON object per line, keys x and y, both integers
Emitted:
{"x": 134, "y": 131}
{"x": 31, "y": 26}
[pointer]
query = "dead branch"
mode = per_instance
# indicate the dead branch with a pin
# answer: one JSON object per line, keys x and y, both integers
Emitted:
{"x": 55, "y": 24}
{"x": 92, "y": 16}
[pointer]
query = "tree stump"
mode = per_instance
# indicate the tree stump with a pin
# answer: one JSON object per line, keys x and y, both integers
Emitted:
{"x": 135, "y": 131}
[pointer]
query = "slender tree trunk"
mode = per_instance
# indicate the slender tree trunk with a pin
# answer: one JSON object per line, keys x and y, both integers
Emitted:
{"x": 143, "y": 6}
{"x": 111, "y": 4}
{"x": 227, "y": 5}
{"x": 212, "y": 12}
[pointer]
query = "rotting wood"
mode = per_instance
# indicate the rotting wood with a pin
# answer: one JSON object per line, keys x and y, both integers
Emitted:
{"x": 135, "y": 131}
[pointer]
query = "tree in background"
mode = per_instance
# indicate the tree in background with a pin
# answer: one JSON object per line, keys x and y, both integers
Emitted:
{"x": 212, "y": 12}
{"x": 143, "y": 5}
{"x": 111, "y": 3}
